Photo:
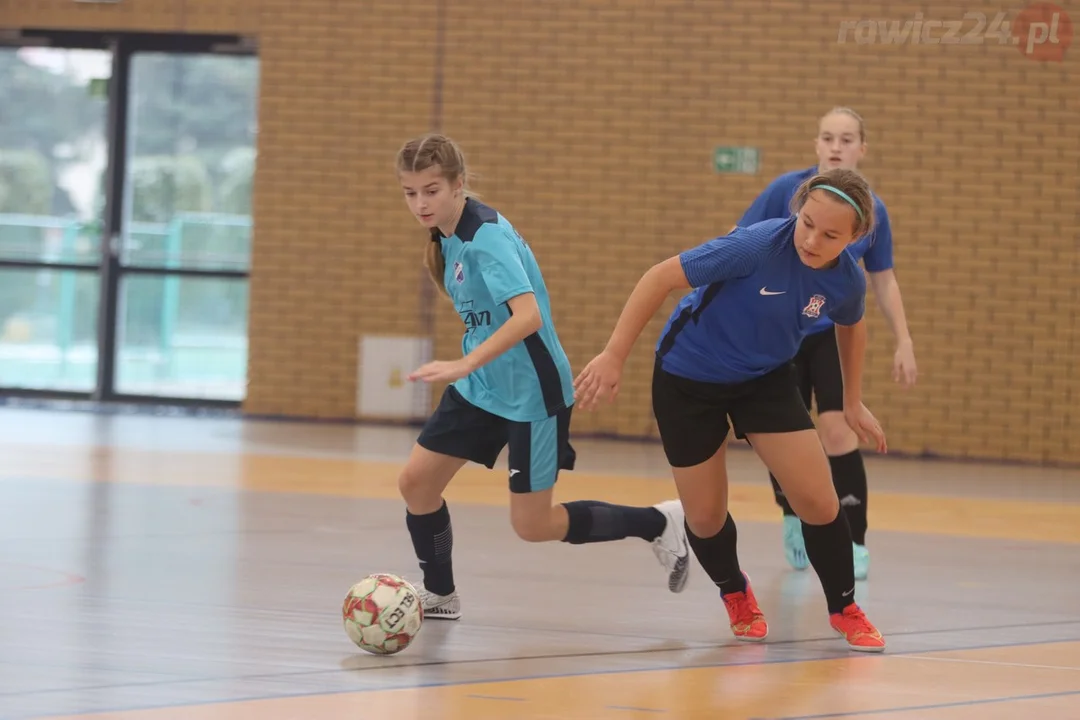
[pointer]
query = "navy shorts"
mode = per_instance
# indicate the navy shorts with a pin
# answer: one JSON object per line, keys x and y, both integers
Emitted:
{"x": 692, "y": 416}
{"x": 538, "y": 450}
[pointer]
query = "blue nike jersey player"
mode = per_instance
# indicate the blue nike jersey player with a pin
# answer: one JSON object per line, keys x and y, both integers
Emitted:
{"x": 875, "y": 250}
{"x": 754, "y": 301}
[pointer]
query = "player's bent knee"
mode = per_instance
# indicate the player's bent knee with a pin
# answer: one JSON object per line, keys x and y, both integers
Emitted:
{"x": 417, "y": 491}
{"x": 705, "y": 522}
{"x": 535, "y": 526}
{"x": 836, "y": 435}
{"x": 533, "y": 518}
{"x": 532, "y": 531}
{"x": 819, "y": 509}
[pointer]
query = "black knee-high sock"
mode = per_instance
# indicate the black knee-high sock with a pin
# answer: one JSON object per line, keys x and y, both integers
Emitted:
{"x": 592, "y": 521}
{"x": 719, "y": 557}
{"x": 781, "y": 499}
{"x": 829, "y": 549}
{"x": 433, "y": 541}
{"x": 849, "y": 478}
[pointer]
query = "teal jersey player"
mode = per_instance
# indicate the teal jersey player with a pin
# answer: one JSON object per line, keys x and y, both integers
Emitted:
{"x": 511, "y": 389}
{"x": 487, "y": 264}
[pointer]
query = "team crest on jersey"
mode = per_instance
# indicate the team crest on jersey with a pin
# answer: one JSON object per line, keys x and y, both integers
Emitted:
{"x": 813, "y": 308}
{"x": 459, "y": 272}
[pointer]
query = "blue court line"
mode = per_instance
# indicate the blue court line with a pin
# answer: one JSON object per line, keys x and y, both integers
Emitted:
{"x": 939, "y": 706}
{"x": 859, "y": 657}
{"x": 496, "y": 697}
{"x": 820, "y": 654}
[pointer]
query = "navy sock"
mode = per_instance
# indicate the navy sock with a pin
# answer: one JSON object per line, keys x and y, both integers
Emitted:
{"x": 829, "y": 549}
{"x": 592, "y": 521}
{"x": 433, "y": 541}
{"x": 849, "y": 478}
{"x": 719, "y": 557}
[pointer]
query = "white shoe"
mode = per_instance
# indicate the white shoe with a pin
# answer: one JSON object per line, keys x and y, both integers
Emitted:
{"x": 672, "y": 548}
{"x": 439, "y": 607}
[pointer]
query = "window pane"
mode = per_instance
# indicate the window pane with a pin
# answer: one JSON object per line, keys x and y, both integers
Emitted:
{"x": 53, "y": 153}
{"x": 191, "y": 160}
{"x": 183, "y": 337}
{"x": 48, "y": 329}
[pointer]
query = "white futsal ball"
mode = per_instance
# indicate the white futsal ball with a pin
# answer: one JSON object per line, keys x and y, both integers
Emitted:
{"x": 382, "y": 614}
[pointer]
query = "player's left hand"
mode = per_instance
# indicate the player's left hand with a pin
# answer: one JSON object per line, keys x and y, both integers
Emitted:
{"x": 440, "y": 371}
{"x": 598, "y": 381}
{"x": 904, "y": 370}
{"x": 866, "y": 426}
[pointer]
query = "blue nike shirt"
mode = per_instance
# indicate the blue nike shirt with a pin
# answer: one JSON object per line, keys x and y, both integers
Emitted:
{"x": 875, "y": 250}
{"x": 487, "y": 264}
{"x": 754, "y": 301}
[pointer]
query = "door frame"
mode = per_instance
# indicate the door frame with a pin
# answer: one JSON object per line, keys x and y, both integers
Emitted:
{"x": 123, "y": 46}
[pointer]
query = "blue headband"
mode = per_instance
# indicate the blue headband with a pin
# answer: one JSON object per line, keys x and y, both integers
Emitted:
{"x": 842, "y": 194}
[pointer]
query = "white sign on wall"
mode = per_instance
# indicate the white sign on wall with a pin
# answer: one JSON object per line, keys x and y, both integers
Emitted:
{"x": 383, "y": 388}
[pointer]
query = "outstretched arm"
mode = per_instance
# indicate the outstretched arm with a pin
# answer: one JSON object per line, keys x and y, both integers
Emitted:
{"x": 648, "y": 295}
{"x": 851, "y": 344}
{"x": 736, "y": 254}
{"x": 525, "y": 319}
{"x": 879, "y": 266}
{"x": 494, "y": 256}
{"x": 600, "y": 379}
{"x": 891, "y": 303}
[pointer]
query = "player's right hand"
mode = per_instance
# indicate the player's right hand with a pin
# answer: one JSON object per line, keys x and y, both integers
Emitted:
{"x": 866, "y": 426}
{"x": 598, "y": 381}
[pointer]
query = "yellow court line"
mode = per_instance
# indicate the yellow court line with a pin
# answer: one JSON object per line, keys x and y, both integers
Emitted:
{"x": 852, "y": 685}
{"x": 924, "y": 514}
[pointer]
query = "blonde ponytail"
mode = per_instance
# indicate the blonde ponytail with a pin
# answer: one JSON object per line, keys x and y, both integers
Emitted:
{"x": 436, "y": 264}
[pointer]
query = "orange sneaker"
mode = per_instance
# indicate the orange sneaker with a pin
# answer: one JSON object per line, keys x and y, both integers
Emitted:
{"x": 747, "y": 621}
{"x": 860, "y": 634}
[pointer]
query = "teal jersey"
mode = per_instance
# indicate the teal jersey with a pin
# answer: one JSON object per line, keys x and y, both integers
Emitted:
{"x": 487, "y": 264}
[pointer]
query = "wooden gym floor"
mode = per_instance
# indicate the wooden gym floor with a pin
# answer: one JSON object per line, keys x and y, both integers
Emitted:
{"x": 181, "y": 568}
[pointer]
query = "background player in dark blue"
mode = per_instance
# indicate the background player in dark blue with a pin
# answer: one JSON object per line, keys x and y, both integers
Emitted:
{"x": 511, "y": 387}
{"x": 726, "y": 352}
{"x": 840, "y": 143}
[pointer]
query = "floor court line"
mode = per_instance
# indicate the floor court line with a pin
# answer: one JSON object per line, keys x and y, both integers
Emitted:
{"x": 825, "y": 656}
{"x": 1002, "y": 663}
{"x": 820, "y": 655}
{"x": 934, "y": 706}
{"x": 659, "y": 685}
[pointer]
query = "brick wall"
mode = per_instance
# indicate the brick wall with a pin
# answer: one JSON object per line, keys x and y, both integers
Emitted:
{"x": 592, "y": 124}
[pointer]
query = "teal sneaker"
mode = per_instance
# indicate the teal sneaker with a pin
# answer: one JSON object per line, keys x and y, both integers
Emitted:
{"x": 794, "y": 546}
{"x": 862, "y": 561}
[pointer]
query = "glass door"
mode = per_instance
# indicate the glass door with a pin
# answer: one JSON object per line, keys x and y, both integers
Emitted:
{"x": 185, "y": 249}
{"x": 54, "y": 148}
{"x": 126, "y": 167}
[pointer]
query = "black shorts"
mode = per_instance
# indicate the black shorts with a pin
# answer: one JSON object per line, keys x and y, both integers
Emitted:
{"x": 538, "y": 450}
{"x": 817, "y": 369}
{"x": 693, "y": 416}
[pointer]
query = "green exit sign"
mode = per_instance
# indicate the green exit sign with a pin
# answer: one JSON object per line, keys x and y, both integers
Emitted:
{"x": 735, "y": 160}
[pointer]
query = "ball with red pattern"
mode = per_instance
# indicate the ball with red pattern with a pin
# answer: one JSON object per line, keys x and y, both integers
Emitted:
{"x": 382, "y": 614}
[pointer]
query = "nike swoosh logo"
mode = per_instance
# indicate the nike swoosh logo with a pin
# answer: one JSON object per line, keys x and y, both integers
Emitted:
{"x": 763, "y": 291}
